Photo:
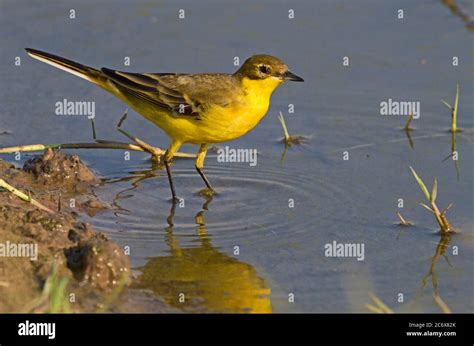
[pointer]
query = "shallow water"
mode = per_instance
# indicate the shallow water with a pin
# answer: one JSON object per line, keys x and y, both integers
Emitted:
{"x": 192, "y": 250}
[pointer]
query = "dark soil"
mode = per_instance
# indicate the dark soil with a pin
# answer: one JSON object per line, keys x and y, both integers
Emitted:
{"x": 97, "y": 269}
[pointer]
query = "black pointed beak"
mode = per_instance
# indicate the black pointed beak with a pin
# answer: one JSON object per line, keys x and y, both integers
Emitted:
{"x": 292, "y": 77}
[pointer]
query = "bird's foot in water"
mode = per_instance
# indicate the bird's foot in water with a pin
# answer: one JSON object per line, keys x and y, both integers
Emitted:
{"x": 176, "y": 200}
{"x": 206, "y": 193}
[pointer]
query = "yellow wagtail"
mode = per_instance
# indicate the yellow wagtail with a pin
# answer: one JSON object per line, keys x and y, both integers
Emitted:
{"x": 191, "y": 108}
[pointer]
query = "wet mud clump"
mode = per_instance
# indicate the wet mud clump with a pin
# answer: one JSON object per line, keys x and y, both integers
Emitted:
{"x": 58, "y": 169}
{"x": 34, "y": 241}
{"x": 96, "y": 260}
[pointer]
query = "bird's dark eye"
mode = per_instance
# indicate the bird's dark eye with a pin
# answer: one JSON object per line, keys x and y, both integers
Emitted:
{"x": 264, "y": 69}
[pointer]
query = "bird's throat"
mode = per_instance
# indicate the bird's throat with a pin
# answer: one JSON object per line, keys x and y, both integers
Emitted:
{"x": 260, "y": 87}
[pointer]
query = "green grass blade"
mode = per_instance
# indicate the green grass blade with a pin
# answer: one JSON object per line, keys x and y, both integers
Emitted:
{"x": 447, "y": 105}
{"x": 425, "y": 206}
{"x": 283, "y": 125}
{"x": 422, "y": 185}
{"x": 57, "y": 296}
{"x": 434, "y": 191}
{"x": 457, "y": 98}
{"x": 455, "y": 111}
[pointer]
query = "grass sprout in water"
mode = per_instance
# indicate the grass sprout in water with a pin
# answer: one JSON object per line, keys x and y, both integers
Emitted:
{"x": 431, "y": 197}
{"x": 287, "y": 139}
{"x": 454, "y": 110}
{"x": 403, "y": 221}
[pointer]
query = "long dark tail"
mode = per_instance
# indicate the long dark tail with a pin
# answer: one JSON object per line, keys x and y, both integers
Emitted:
{"x": 85, "y": 72}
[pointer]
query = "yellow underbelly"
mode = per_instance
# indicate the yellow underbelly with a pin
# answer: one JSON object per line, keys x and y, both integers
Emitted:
{"x": 214, "y": 126}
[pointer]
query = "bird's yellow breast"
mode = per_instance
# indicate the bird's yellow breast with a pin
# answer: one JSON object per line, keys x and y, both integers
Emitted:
{"x": 258, "y": 93}
{"x": 249, "y": 107}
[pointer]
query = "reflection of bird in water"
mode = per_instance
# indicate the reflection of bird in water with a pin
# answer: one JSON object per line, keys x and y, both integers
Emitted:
{"x": 210, "y": 280}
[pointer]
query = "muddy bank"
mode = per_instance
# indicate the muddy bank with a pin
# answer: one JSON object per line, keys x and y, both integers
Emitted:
{"x": 51, "y": 261}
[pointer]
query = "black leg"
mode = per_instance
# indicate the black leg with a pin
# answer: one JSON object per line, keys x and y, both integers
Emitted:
{"x": 170, "y": 179}
{"x": 199, "y": 164}
{"x": 203, "y": 176}
{"x": 168, "y": 157}
{"x": 171, "y": 215}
